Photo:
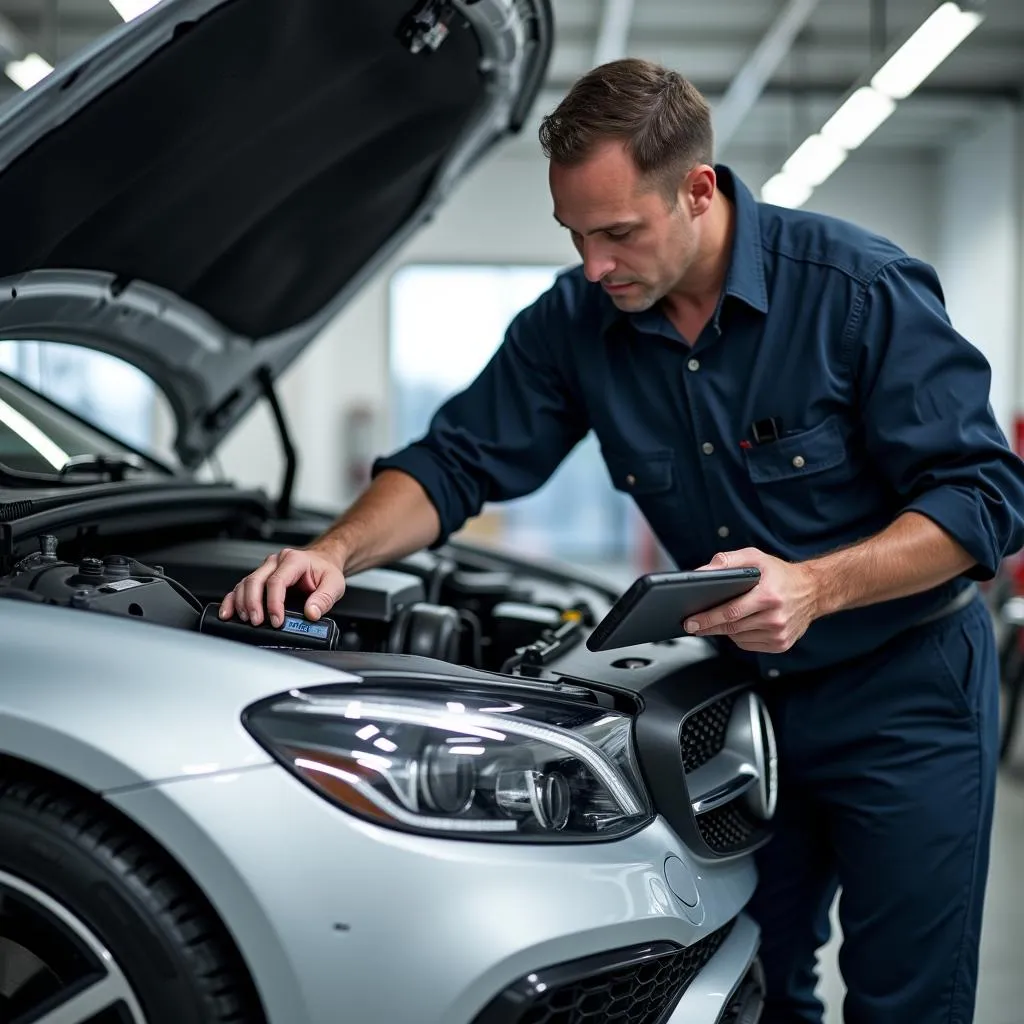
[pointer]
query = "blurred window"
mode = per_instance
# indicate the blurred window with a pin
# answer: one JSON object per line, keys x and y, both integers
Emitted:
{"x": 445, "y": 323}
{"x": 112, "y": 395}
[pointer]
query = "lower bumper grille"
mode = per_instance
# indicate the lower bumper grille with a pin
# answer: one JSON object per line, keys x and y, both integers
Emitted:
{"x": 729, "y": 829}
{"x": 639, "y": 985}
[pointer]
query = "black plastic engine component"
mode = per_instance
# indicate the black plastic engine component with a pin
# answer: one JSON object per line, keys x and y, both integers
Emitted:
{"x": 295, "y": 633}
{"x": 114, "y": 585}
{"x": 514, "y": 626}
{"x": 479, "y": 592}
{"x": 427, "y": 630}
{"x": 432, "y": 568}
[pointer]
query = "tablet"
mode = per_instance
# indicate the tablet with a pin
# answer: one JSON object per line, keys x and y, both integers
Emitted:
{"x": 656, "y": 605}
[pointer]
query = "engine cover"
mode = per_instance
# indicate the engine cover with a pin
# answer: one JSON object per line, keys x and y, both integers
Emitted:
{"x": 115, "y": 585}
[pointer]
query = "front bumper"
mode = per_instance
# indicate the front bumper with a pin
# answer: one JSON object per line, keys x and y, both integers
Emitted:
{"x": 634, "y": 986}
{"x": 341, "y": 919}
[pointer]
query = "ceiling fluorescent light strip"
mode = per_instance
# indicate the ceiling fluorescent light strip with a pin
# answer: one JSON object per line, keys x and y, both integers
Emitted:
{"x": 31, "y": 69}
{"x": 130, "y": 9}
{"x": 28, "y": 71}
{"x": 869, "y": 107}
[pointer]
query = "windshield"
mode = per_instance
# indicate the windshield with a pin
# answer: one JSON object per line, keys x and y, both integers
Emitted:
{"x": 37, "y": 436}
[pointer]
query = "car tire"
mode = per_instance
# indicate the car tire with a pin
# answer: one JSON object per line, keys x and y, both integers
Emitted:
{"x": 89, "y": 906}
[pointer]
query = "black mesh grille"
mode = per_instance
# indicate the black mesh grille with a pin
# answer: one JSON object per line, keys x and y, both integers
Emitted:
{"x": 703, "y": 733}
{"x": 642, "y": 992}
{"x": 729, "y": 829}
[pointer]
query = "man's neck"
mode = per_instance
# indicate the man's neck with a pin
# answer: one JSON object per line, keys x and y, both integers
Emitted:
{"x": 704, "y": 280}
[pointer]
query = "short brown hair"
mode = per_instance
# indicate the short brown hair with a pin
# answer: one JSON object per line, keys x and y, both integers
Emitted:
{"x": 662, "y": 118}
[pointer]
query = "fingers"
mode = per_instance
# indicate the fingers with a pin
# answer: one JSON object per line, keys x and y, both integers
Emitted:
{"x": 760, "y": 622}
{"x": 246, "y": 600}
{"x": 760, "y": 643}
{"x": 764, "y": 642}
{"x": 277, "y": 583}
{"x": 328, "y": 592}
{"x": 239, "y": 601}
{"x": 742, "y": 558}
{"x": 253, "y": 587}
{"x": 272, "y": 579}
{"x": 730, "y": 617}
{"x": 770, "y": 631}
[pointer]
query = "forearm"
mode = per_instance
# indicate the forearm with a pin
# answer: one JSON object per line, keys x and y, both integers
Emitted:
{"x": 391, "y": 519}
{"x": 912, "y": 555}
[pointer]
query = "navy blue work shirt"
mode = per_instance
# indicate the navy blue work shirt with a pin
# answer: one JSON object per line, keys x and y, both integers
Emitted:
{"x": 834, "y": 332}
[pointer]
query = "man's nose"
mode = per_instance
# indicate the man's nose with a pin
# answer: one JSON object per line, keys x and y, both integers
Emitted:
{"x": 596, "y": 264}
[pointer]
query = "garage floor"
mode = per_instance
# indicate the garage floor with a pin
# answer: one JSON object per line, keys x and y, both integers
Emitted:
{"x": 1001, "y": 990}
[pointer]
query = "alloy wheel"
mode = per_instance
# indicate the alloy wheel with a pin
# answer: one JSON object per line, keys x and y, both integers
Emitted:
{"x": 53, "y": 968}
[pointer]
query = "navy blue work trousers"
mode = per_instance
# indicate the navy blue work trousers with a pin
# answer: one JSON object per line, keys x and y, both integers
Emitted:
{"x": 886, "y": 789}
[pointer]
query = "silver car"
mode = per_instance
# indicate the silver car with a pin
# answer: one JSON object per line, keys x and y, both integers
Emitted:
{"x": 435, "y": 806}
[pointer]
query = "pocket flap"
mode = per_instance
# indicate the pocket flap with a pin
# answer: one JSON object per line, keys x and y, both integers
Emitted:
{"x": 640, "y": 472}
{"x": 796, "y": 455}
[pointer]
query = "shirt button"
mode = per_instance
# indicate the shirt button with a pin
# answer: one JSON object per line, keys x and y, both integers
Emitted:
{"x": 630, "y": 480}
{"x": 773, "y": 673}
{"x": 723, "y": 531}
{"x": 707, "y": 447}
{"x": 694, "y": 364}
{"x": 798, "y": 461}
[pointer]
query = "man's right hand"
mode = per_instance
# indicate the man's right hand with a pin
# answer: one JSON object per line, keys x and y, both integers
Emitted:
{"x": 311, "y": 570}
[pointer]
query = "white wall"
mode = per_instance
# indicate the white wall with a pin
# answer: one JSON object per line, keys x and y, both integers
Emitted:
{"x": 503, "y": 213}
{"x": 980, "y": 238}
{"x": 1019, "y": 341}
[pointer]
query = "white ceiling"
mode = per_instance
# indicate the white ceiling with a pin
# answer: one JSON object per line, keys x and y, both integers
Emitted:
{"x": 710, "y": 43}
{"x": 840, "y": 42}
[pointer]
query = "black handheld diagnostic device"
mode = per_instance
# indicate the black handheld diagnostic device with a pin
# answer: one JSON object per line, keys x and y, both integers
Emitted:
{"x": 295, "y": 632}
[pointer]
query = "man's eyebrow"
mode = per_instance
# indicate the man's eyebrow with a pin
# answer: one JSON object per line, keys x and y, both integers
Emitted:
{"x": 618, "y": 225}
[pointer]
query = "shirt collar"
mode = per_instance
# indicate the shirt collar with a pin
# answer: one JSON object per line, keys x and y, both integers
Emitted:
{"x": 745, "y": 280}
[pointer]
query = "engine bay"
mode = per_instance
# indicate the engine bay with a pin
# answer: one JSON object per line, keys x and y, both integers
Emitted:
{"x": 426, "y": 605}
{"x": 450, "y": 616}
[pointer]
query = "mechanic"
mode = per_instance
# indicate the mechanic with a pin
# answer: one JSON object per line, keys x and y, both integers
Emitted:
{"x": 779, "y": 389}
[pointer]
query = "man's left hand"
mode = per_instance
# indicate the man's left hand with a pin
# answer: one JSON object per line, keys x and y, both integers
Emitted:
{"x": 769, "y": 618}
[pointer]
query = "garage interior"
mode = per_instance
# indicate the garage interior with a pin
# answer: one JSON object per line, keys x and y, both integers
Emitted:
{"x": 942, "y": 176}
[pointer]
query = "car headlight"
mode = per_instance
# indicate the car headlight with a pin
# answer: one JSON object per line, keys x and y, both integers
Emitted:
{"x": 463, "y": 765}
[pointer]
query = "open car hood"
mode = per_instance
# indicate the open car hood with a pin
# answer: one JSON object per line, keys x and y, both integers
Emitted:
{"x": 203, "y": 189}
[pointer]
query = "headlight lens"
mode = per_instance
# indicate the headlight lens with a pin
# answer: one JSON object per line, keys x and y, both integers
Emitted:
{"x": 462, "y": 766}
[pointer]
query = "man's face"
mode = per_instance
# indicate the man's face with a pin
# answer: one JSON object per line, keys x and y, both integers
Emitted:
{"x": 631, "y": 238}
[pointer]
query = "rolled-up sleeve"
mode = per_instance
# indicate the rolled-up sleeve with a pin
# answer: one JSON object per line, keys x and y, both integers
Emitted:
{"x": 506, "y": 433}
{"x": 929, "y": 425}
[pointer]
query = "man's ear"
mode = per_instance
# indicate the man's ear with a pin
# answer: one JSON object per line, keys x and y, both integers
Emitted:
{"x": 699, "y": 189}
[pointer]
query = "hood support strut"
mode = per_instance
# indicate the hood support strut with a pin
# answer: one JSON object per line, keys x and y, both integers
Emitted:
{"x": 291, "y": 460}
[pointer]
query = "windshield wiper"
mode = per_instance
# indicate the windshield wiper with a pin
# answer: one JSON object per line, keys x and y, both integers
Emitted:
{"x": 96, "y": 468}
{"x": 115, "y": 467}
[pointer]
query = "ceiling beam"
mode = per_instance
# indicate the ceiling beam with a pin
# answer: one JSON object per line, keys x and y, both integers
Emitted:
{"x": 12, "y": 43}
{"x": 745, "y": 89}
{"x": 681, "y": 37}
{"x": 613, "y": 32}
{"x": 93, "y": 23}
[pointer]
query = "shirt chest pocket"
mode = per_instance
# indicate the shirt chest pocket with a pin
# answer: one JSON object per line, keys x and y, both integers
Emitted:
{"x": 806, "y": 483}
{"x": 640, "y": 473}
{"x": 651, "y": 477}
